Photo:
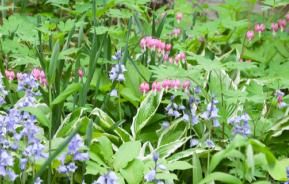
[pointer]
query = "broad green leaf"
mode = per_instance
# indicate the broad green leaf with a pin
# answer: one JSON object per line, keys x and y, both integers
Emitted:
{"x": 197, "y": 169}
{"x": 278, "y": 172}
{"x": 145, "y": 112}
{"x": 178, "y": 165}
{"x": 134, "y": 172}
{"x": 104, "y": 148}
{"x": 175, "y": 132}
{"x": 71, "y": 89}
{"x": 107, "y": 123}
{"x": 125, "y": 154}
{"x": 53, "y": 63}
{"x": 94, "y": 168}
{"x": 222, "y": 177}
{"x": 170, "y": 148}
{"x": 68, "y": 122}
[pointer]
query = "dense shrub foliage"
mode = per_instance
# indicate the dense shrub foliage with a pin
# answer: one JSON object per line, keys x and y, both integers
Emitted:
{"x": 139, "y": 91}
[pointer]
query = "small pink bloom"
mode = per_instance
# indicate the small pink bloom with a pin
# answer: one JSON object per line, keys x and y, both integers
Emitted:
{"x": 175, "y": 84}
{"x": 19, "y": 76}
{"x": 182, "y": 56}
{"x": 186, "y": 85}
{"x": 166, "y": 57}
{"x": 143, "y": 43}
{"x": 156, "y": 86}
{"x": 179, "y": 17}
{"x": 171, "y": 60}
{"x": 176, "y": 32}
{"x": 10, "y": 75}
{"x": 249, "y": 60}
{"x": 250, "y": 35}
{"x": 80, "y": 73}
{"x": 282, "y": 24}
{"x": 144, "y": 87}
{"x": 177, "y": 59}
{"x": 166, "y": 84}
{"x": 259, "y": 28}
{"x": 36, "y": 73}
{"x": 43, "y": 81}
{"x": 274, "y": 28}
{"x": 168, "y": 47}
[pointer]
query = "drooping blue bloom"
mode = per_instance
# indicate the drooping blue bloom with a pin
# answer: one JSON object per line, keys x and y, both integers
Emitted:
{"x": 117, "y": 72}
{"x": 240, "y": 124}
{"x": 108, "y": 178}
{"x": 211, "y": 112}
{"x": 194, "y": 142}
{"x": 173, "y": 109}
{"x": 38, "y": 180}
{"x": 150, "y": 176}
{"x": 3, "y": 92}
{"x": 117, "y": 56}
{"x": 165, "y": 125}
{"x": 75, "y": 152}
{"x": 210, "y": 144}
{"x": 156, "y": 156}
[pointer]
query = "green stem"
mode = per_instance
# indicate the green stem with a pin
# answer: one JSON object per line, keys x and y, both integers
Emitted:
{"x": 119, "y": 105}
{"x": 71, "y": 178}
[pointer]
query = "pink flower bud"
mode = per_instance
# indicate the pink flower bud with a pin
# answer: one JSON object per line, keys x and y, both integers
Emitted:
{"x": 168, "y": 47}
{"x": 144, "y": 87}
{"x": 171, "y": 60}
{"x": 182, "y": 56}
{"x": 177, "y": 59}
{"x": 282, "y": 24}
{"x": 156, "y": 86}
{"x": 175, "y": 84}
{"x": 36, "y": 73}
{"x": 179, "y": 17}
{"x": 259, "y": 28}
{"x": 80, "y": 73}
{"x": 166, "y": 84}
{"x": 143, "y": 43}
{"x": 186, "y": 85}
{"x": 250, "y": 35}
{"x": 166, "y": 57}
{"x": 19, "y": 76}
{"x": 274, "y": 28}
{"x": 10, "y": 75}
{"x": 176, "y": 32}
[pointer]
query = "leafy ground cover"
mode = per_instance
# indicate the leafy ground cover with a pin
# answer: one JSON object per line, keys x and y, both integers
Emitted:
{"x": 134, "y": 91}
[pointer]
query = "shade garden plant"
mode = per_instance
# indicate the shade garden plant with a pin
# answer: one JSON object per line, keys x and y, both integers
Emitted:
{"x": 140, "y": 91}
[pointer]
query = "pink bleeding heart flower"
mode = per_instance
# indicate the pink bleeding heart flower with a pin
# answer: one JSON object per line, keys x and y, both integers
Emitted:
{"x": 166, "y": 84}
{"x": 156, "y": 86}
{"x": 176, "y": 32}
{"x": 250, "y": 35}
{"x": 274, "y": 28}
{"x": 179, "y": 17}
{"x": 80, "y": 72}
{"x": 168, "y": 47}
{"x": 10, "y": 75}
{"x": 282, "y": 24}
{"x": 19, "y": 76}
{"x": 144, "y": 87}
{"x": 175, "y": 84}
{"x": 186, "y": 85}
{"x": 182, "y": 56}
{"x": 259, "y": 28}
{"x": 36, "y": 73}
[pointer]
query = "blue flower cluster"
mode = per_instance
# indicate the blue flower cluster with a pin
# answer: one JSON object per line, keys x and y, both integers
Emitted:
{"x": 19, "y": 133}
{"x": 3, "y": 92}
{"x": 117, "y": 72}
{"x": 241, "y": 124}
{"x": 73, "y": 154}
{"x": 108, "y": 178}
{"x": 211, "y": 112}
{"x": 151, "y": 175}
{"x": 173, "y": 109}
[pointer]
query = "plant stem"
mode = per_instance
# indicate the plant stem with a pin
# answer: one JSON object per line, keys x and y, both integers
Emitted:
{"x": 119, "y": 105}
